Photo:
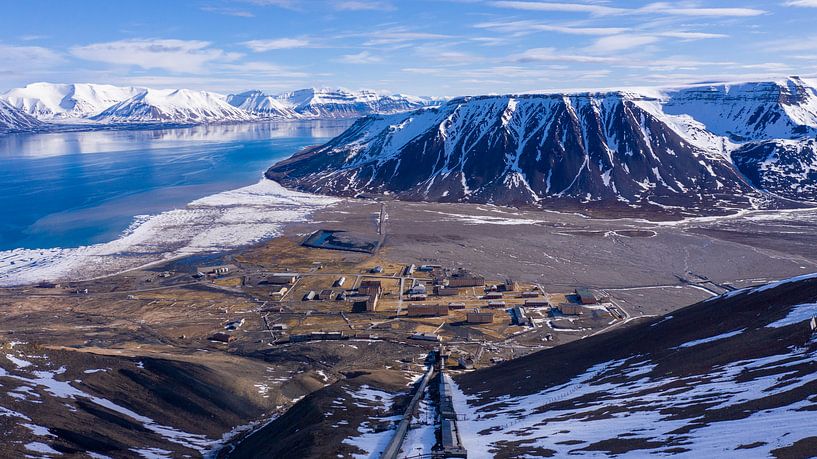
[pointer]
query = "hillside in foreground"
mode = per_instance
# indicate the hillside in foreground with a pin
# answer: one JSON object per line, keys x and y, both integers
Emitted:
{"x": 733, "y": 376}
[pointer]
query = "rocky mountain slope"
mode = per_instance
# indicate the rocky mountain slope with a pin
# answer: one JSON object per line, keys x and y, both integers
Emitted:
{"x": 619, "y": 149}
{"x": 48, "y": 101}
{"x": 733, "y": 376}
{"x": 13, "y": 119}
{"x": 173, "y": 105}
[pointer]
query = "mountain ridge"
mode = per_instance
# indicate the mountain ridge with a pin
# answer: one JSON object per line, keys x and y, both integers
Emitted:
{"x": 617, "y": 149}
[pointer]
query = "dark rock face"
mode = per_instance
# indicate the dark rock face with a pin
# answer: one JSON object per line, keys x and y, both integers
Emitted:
{"x": 675, "y": 151}
{"x": 783, "y": 168}
{"x": 527, "y": 150}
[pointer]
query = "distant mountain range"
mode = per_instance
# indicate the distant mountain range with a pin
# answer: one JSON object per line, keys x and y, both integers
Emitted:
{"x": 709, "y": 148}
{"x": 97, "y": 104}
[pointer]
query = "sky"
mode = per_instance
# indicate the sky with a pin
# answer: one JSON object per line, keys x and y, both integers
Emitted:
{"x": 420, "y": 47}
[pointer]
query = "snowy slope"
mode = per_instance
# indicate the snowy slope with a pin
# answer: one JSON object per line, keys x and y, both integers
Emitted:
{"x": 48, "y": 101}
{"x": 750, "y": 111}
{"x": 173, "y": 106}
{"x": 13, "y": 119}
{"x": 527, "y": 150}
{"x": 258, "y": 103}
{"x": 785, "y": 168}
{"x": 734, "y": 376}
{"x": 339, "y": 103}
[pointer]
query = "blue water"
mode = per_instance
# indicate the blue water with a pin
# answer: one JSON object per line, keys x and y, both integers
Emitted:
{"x": 77, "y": 188}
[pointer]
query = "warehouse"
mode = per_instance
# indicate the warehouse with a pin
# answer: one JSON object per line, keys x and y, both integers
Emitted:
{"x": 586, "y": 296}
{"x": 479, "y": 317}
{"x": 427, "y": 310}
{"x": 440, "y": 290}
{"x": 462, "y": 278}
{"x": 537, "y": 303}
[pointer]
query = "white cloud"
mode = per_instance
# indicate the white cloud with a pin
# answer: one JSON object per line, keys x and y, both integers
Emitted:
{"x": 600, "y": 10}
{"x": 360, "y": 5}
{"x": 802, "y": 3}
{"x": 228, "y": 11}
{"x": 673, "y": 10}
{"x": 260, "y": 46}
{"x": 363, "y": 57}
{"x": 520, "y": 27}
{"x": 693, "y": 35}
{"x": 551, "y": 55}
{"x": 172, "y": 55}
{"x": 662, "y": 8}
{"x": 622, "y": 42}
{"x": 398, "y": 36}
{"x": 14, "y": 57}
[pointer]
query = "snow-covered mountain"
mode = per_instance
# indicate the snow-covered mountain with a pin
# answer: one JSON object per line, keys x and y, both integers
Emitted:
{"x": 668, "y": 149}
{"x": 734, "y": 376}
{"x": 49, "y": 101}
{"x": 14, "y": 119}
{"x": 260, "y": 104}
{"x": 173, "y": 106}
{"x": 750, "y": 111}
{"x": 325, "y": 103}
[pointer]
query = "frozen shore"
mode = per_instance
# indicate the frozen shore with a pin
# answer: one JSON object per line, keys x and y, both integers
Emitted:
{"x": 221, "y": 221}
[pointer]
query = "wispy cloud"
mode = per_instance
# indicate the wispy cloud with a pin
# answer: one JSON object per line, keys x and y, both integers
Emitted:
{"x": 662, "y": 8}
{"x": 360, "y": 5}
{"x": 553, "y": 55}
{"x": 172, "y": 55}
{"x": 35, "y": 57}
{"x": 622, "y": 42}
{"x": 802, "y": 3}
{"x": 527, "y": 26}
{"x": 228, "y": 11}
{"x": 260, "y": 46}
{"x": 363, "y": 57}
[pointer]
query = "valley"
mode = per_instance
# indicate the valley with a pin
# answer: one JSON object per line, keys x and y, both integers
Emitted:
{"x": 106, "y": 350}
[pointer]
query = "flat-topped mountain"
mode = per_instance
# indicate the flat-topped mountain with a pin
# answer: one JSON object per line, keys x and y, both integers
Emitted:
{"x": 620, "y": 149}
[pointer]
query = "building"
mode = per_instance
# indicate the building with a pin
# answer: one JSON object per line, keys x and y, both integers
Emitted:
{"x": 456, "y": 306}
{"x": 571, "y": 309}
{"x": 418, "y": 289}
{"x": 409, "y": 270}
{"x": 479, "y": 317}
{"x": 427, "y": 310}
{"x": 586, "y": 296}
{"x": 339, "y": 283}
{"x": 376, "y": 270}
{"x": 509, "y": 285}
{"x": 520, "y": 316}
{"x": 221, "y": 337}
{"x": 310, "y": 296}
{"x": 496, "y": 304}
{"x": 531, "y": 294}
{"x": 418, "y": 297}
{"x": 462, "y": 278}
{"x": 493, "y": 296}
{"x": 326, "y": 294}
{"x": 281, "y": 279}
{"x": 218, "y": 270}
{"x": 425, "y": 337}
{"x": 537, "y": 303}
{"x": 440, "y": 290}
{"x": 370, "y": 287}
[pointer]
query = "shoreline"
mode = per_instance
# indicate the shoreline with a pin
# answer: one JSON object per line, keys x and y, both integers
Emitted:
{"x": 216, "y": 223}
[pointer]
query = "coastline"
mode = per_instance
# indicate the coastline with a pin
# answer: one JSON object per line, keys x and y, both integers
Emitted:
{"x": 216, "y": 223}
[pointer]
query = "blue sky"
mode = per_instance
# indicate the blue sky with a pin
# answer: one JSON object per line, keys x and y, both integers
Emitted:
{"x": 419, "y": 47}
